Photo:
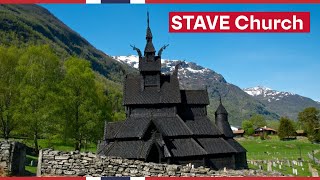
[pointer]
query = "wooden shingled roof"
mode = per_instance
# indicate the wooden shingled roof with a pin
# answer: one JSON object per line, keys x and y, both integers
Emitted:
{"x": 195, "y": 97}
{"x": 185, "y": 147}
{"x": 133, "y": 127}
{"x": 145, "y": 66}
{"x": 203, "y": 126}
{"x": 169, "y": 91}
{"x": 216, "y": 145}
{"x": 172, "y": 126}
{"x": 129, "y": 149}
{"x": 236, "y": 145}
{"x": 112, "y": 128}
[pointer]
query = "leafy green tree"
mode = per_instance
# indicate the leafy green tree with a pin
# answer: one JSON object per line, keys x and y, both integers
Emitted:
{"x": 258, "y": 121}
{"x": 80, "y": 99}
{"x": 286, "y": 128}
{"x": 8, "y": 88}
{"x": 247, "y": 126}
{"x": 39, "y": 71}
{"x": 310, "y": 122}
{"x": 274, "y": 124}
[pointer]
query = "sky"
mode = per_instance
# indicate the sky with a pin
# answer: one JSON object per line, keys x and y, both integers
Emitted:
{"x": 281, "y": 61}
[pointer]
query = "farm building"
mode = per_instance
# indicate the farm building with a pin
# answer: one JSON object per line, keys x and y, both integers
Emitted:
{"x": 266, "y": 130}
{"x": 167, "y": 124}
{"x": 238, "y": 133}
{"x": 301, "y": 132}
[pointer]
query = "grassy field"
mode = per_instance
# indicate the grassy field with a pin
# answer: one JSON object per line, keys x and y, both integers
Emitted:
{"x": 59, "y": 145}
{"x": 274, "y": 149}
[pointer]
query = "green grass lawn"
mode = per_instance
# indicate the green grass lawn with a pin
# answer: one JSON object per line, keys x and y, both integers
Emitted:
{"x": 58, "y": 144}
{"x": 31, "y": 170}
{"x": 274, "y": 149}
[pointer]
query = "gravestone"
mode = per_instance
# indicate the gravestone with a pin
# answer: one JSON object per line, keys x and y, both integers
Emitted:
{"x": 269, "y": 168}
{"x": 315, "y": 173}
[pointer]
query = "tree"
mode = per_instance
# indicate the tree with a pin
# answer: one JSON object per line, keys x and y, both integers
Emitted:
{"x": 310, "y": 122}
{"x": 39, "y": 71}
{"x": 286, "y": 128}
{"x": 258, "y": 121}
{"x": 80, "y": 94}
{"x": 8, "y": 88}
{"x": 274, "y": 124}
{"x": 247, "y": 126}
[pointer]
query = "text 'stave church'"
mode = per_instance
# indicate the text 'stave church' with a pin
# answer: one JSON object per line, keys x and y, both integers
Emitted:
{"x": 167, "y": 125}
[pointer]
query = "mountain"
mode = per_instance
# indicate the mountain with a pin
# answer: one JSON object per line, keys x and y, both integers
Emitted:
{"x": 239, "y": 104}
{"x": 283, "y": 103}
{"x": 24, "y": 25}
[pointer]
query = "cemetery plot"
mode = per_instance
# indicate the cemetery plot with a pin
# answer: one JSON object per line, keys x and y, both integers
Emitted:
{"x": 288, "y": 157}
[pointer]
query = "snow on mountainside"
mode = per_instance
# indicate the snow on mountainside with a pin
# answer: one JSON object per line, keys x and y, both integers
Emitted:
{"x": 283, "y": 103}
{"x": 271, "y": 95}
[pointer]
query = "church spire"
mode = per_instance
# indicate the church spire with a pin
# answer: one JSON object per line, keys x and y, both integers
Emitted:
{"x": 221, "y": 116}
{"x": 149, "y": 49}
{"x": 221, "y": 109}
{"x": 148, "y": 18}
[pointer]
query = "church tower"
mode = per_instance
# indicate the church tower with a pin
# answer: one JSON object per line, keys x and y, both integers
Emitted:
{"x": 221, "y": 120}
{"x": 149, "y": 64}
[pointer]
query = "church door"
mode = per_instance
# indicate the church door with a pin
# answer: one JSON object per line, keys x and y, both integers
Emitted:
{"x": 154, "y": 154}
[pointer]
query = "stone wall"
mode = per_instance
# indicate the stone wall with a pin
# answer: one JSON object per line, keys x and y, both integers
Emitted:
{"x": 57, "y": 163}
{"x": 12, "y": 157}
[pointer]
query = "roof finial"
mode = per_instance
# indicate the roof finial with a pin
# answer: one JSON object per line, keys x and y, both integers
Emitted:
{"x": 148, "y": 18}
{"x": 149, "y": 46}
{"x": 220, "y": 98}
{"x": 176, "y": 68}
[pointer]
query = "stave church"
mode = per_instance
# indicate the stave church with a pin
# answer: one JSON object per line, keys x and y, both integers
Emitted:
{"x": 165, "y": 124}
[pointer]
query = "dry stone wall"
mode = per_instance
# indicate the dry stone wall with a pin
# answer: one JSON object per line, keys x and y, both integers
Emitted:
{"x": 12, "y": 157}
{"x": 57, "y": 163}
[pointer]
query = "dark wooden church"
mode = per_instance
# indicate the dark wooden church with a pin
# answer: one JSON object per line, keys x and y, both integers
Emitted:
{"x": 166, "y": 124}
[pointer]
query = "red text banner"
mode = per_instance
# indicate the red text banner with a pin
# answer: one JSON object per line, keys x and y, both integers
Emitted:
{"x": 237, "y": 22}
